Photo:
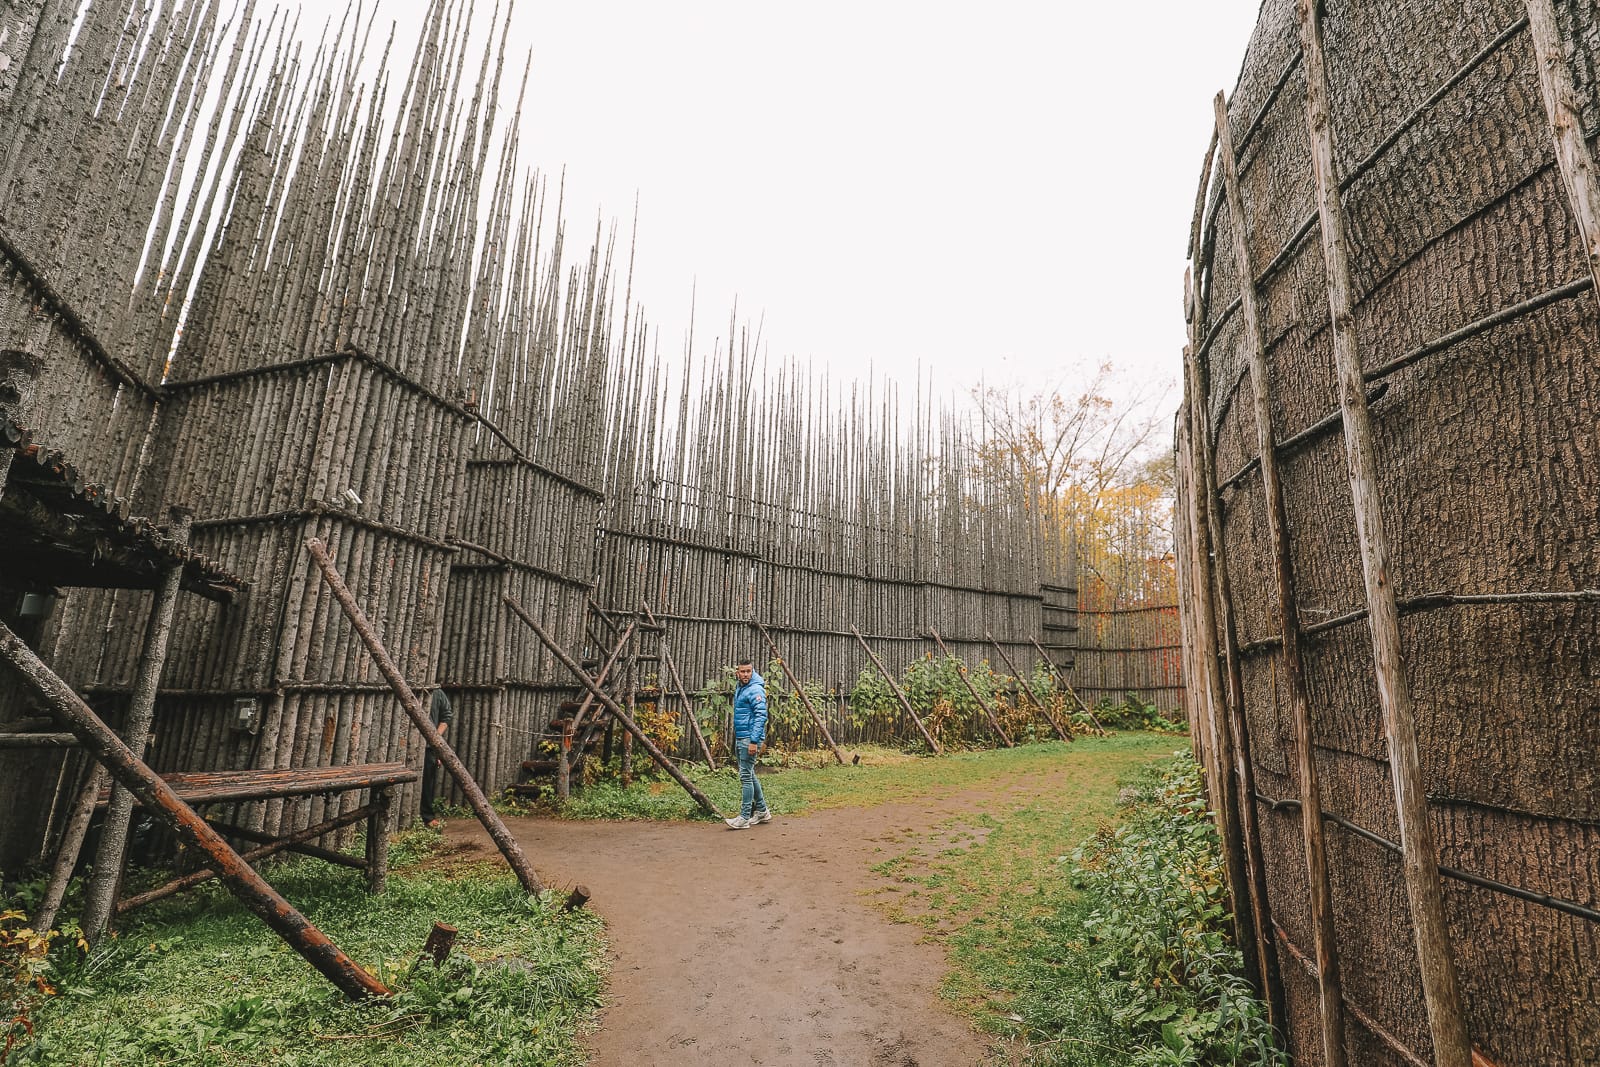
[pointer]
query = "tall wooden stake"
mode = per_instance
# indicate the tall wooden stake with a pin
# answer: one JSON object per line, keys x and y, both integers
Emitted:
{"x": 509, "y": 848}
{"x": 1440, "y": 985}
{"x": 1321, "y": 891}
{"x": 1573, "y": 155}
{"x": 798, "y": 688}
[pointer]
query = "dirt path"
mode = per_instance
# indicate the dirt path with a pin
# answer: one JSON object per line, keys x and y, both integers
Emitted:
{"x": 759, "y": 946}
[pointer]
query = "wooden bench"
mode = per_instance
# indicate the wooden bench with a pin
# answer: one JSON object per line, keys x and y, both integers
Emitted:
{"x": 197, "y": 788}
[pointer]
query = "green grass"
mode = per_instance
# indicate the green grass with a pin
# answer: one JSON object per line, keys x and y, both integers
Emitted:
{"x": 1085, "y": 925}
{"x": 884, "y": 775}
{"x": 199, "y": 982}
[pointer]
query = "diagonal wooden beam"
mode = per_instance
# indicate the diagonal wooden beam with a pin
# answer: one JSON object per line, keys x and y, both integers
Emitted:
{"x": 614, "y": 708}
{"x": 1023, "y": 685}
{"x": 894, "y": 687}
{"x": 961, "y": 669}
{"x": 158, "y": 797}
{"x": 509, "y": 848}
{"x": 826, "y": 736}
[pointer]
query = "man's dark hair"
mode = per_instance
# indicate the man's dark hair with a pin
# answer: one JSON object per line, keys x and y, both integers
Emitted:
{"x": 744, "y": 663}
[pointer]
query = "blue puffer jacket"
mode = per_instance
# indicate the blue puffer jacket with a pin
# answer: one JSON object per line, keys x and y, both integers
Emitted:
{"x": 750, "y": 710}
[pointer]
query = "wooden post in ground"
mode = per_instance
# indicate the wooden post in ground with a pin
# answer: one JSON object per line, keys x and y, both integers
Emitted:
{"x": 987, "y": 710}
{"x": 1026, "y": 688}
{"x": 787, "y": 673}
{"x": 1055, "y": 672}
{"x": 1311, "y": 828}
{"x": 100, "y": 899}
{"x": 378, "y": 842}
{"x": 245, "y": 884}
{"x": 71, "y": 845}
{"x": 672, "y": 669}
{"x": 1233, "y": 735}
{"x": 502, "y": 838}
{"x": 1440, "y": 985}
{"x": 899, "y": 694}
{"x": 1573, "y": 156}
{"x": 615, "y": 709}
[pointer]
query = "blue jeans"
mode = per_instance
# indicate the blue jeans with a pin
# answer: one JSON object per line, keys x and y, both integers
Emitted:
{"x": 751, "y": 799}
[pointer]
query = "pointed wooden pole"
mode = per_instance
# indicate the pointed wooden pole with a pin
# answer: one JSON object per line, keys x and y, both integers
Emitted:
{"x": 1441, "y": 987}
{"x": 1023, "y": 685}
{"x": 822, "y": 726}
{"x": 614, "y": 708}
{"x": 899, "y": 694}
{"x": 961, "y": 669}
{"x": 508, "y": 846}
{"x": 1311, "y": 828}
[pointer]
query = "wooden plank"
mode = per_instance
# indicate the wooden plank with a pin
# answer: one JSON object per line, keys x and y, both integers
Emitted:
{"x": 216, "y": 787}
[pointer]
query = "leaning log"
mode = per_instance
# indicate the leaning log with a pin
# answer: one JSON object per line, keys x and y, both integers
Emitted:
{"x": 249, "y": 887}
{"x": 503, "y": 840}
{"x": 615, "y": 709}
{"x": 961, "y": 669}
{"x": 799, "y": 689}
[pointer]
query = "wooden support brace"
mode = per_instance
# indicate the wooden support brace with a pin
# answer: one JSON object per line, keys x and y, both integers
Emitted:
{"x": 616, "y": 711}
{"x": 987, "y": 710}
{"x": 672, "y": 670}
{"x": 899, "y": 694}
{"x": 509, "y": 848}
{"x": 804, "y": 699}
{"x": 119, "y": 761}
{"x": 271, "y": 846}
{"x": 1071, "y": 692}
{"x": 1023, "y": 685}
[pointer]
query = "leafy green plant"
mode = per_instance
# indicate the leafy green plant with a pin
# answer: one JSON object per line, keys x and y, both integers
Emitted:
{"x": 1140, "y": 964}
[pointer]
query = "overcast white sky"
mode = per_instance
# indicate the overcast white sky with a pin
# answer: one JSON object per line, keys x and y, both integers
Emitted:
{"x": 992, "y": 190}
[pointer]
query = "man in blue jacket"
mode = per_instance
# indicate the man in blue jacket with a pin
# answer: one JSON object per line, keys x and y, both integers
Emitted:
{"x": 749, "y": 731}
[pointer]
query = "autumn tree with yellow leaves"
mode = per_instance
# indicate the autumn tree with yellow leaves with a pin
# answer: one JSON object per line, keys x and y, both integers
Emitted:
{"x": 1088, "y": 451}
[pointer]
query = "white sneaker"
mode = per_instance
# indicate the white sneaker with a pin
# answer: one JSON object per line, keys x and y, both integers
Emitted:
{"x": 739, "y": 822}
{"x": 761, "y": 817}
